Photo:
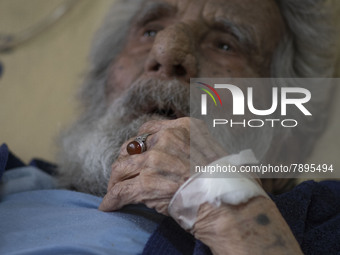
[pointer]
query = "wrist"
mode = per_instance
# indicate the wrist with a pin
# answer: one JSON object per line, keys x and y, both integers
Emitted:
{"x": 226, "y": 222}
{"x": 255, "y": 227}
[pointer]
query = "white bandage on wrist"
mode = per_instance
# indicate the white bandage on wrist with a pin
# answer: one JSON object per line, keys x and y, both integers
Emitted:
{"x": 200, "y": 189}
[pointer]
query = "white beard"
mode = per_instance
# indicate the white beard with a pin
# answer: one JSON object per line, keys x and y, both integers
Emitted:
{"x": 89, "y": 147}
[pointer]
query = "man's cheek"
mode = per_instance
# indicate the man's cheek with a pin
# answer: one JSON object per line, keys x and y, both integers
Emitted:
{"x": 229, "y": 66}
{"x": 121, "y": 75}
{"x": 211, "y": 69}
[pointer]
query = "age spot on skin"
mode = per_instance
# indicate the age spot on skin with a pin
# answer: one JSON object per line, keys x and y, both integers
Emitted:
{"x": 262, "y": 219}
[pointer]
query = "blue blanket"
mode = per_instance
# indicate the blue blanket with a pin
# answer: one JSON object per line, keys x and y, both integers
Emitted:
{"x": 312, "y": 210}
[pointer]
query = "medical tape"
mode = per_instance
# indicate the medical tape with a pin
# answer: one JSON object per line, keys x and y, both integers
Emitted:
{"x": 200, "y": 189}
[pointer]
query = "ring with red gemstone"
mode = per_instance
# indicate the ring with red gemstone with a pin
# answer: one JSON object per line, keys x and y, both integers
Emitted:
{"x": 138, "y": 145}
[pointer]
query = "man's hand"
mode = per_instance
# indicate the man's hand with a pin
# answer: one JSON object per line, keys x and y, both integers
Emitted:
{"x": 153, "y": 177}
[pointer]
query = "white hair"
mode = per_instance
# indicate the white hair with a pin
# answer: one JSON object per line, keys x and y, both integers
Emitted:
{"x": 307, "y": 50}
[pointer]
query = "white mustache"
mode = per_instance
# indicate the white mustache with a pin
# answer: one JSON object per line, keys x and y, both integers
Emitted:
{"x": 153, "y": 96}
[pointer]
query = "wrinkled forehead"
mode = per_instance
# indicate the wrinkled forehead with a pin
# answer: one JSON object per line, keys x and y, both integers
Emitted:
{"x": 259, "y": 18}
{"x": 250, "y": 10}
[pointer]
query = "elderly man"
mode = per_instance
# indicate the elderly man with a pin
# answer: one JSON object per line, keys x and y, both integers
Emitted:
{"x": 142, "y": 62}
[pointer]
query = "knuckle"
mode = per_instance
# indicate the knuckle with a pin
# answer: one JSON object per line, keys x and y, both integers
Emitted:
{"x": 148, "y": 126}
{"x": 153, "y": 158}
{"x": 165, "y": 136}
{"x": 145, "y": 126}
{"x": 185, "y": 121}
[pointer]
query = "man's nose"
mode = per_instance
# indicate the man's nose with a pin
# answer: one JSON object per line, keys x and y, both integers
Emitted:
{"x": 172, "y": 54}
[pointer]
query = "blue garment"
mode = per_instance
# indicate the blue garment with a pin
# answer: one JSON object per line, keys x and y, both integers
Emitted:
{"x": 25, "y": 179}
{"x": 38, "y": 219}
{"x": 66, "y": 222}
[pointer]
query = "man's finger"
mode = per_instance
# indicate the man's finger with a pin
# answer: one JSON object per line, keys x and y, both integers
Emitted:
{"x": 126, "y": 168}
{"x": 142, "y": 189}
{"x": 161, "y": 163}
{"x": 121, "y": 194}
{"x": 153, "y": 126}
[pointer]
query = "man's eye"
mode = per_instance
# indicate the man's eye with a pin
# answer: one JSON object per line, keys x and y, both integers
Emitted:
{"x": 224, "y": 47}
{"x": 150, "y": 33}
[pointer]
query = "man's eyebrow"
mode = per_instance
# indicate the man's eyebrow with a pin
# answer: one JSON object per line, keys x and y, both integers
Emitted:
{"x": 241, "y": 33}
{"x": 154, "y": 11}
